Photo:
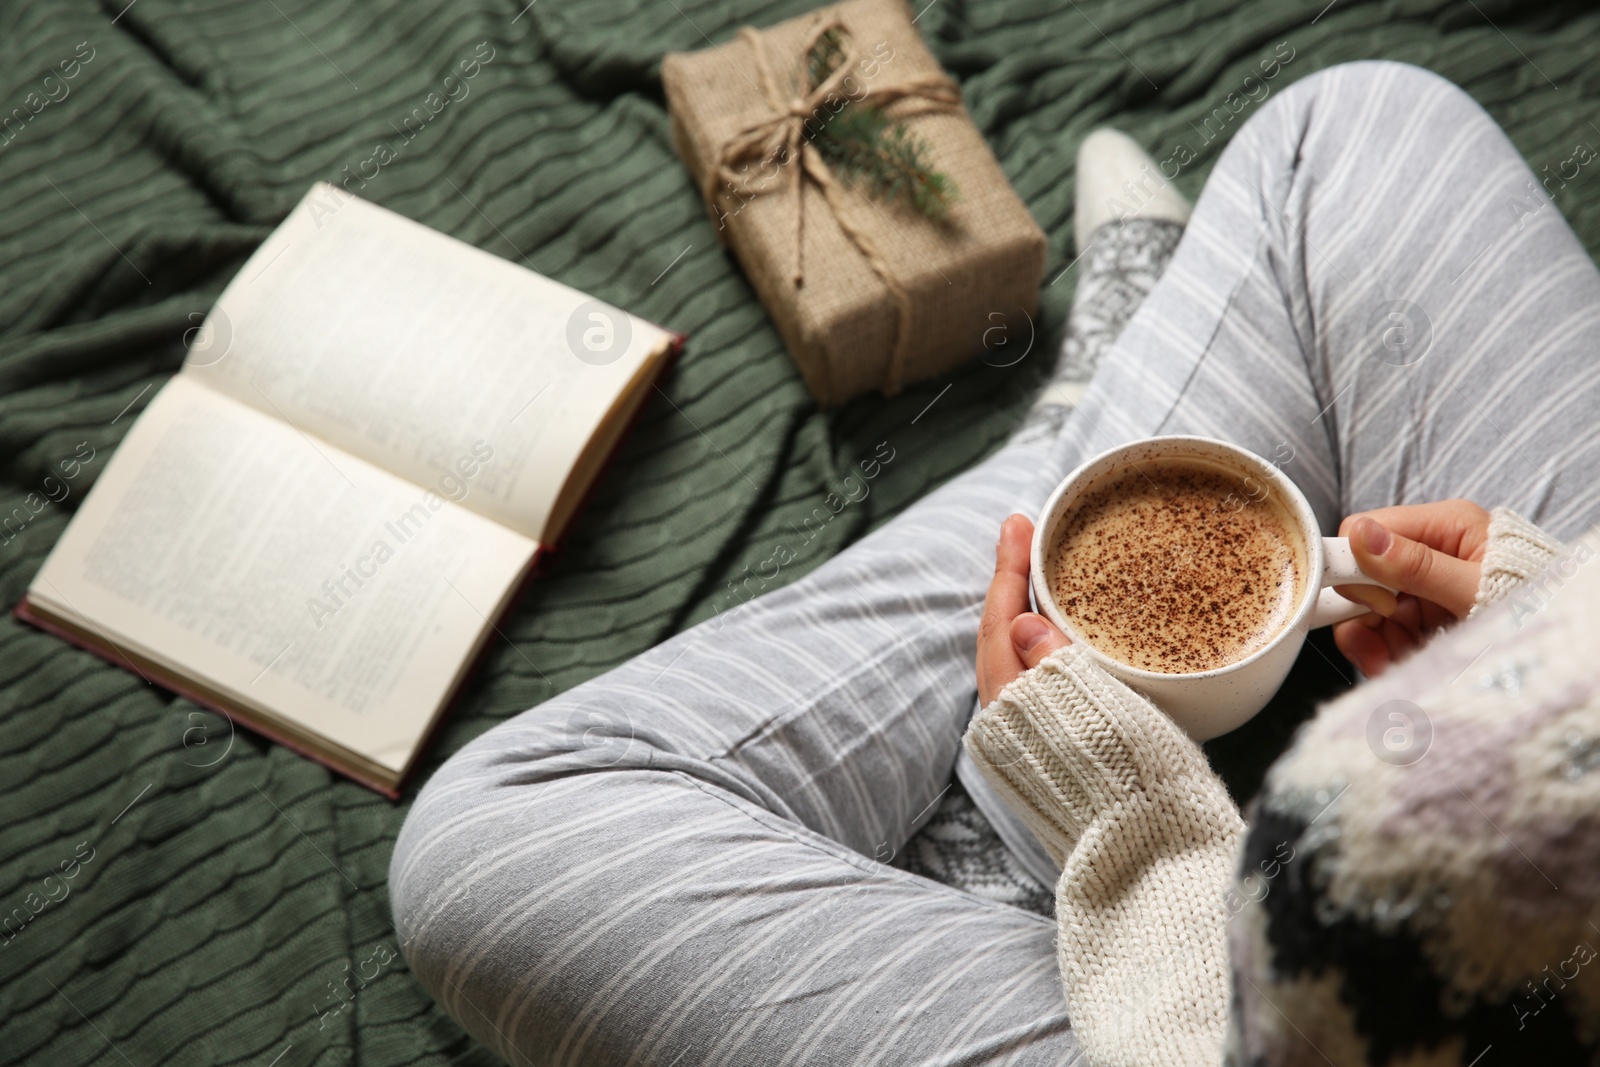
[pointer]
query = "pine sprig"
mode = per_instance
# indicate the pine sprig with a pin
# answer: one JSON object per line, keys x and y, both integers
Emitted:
{"x": 869, "y": 149}
{"x": 825, "y": 57}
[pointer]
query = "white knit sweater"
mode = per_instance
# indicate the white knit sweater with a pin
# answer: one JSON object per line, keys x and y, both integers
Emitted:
{"x": 1147, "y": 838}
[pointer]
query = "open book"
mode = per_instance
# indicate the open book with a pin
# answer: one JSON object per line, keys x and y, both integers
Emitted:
{"x": 315, "y": 524}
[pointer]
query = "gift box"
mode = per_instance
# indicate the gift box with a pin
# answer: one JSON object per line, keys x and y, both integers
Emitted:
{"x": 867, "y": 292}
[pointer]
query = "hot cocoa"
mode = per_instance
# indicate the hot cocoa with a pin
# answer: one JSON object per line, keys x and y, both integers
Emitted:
{"x": 1177, "y": 566}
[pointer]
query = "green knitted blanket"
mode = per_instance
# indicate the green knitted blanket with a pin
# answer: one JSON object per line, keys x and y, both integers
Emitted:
{"x": 222, "y": 890}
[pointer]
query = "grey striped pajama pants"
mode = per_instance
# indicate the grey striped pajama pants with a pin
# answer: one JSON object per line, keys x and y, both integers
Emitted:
{"x": 681, "y": 862}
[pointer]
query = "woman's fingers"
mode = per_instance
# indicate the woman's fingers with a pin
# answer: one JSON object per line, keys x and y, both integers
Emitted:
{"x": 1008, "y": 590}
{"x": 1034, "y": 637}
{"x": 1412, "y": 567}
{"x": 1399, "y": 640}
{"x": 1374, "y": 642}
{"x": 1011, "y": 639}
{"x": 1407, "y": 618}
{"x": 1374, "y": 598}
{"x": 998, "y": 661}
{"x": 1362, "y": 644}
{"x": 1430, "y": 553}
{"x": 1457, "y": 527}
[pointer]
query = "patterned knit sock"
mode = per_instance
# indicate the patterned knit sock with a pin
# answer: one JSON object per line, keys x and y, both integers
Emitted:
{"x": 1128, "y": 223}
{"x": 1118, "y": 271}
{"x": 958, "y": 847}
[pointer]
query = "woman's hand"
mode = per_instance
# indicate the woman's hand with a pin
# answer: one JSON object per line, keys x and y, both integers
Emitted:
{"x": 1431, "y": 553}
{"x": 1011, "y": 639}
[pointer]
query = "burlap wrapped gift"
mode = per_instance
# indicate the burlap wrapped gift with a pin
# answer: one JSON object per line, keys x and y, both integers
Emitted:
{"x": 867, "y": 295}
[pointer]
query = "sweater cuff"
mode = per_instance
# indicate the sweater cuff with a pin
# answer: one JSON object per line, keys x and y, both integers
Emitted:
{"x": 1066, "y": 741}
{"x": 1517, "y": 552}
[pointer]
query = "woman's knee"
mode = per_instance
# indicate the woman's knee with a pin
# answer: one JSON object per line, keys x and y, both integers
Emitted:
{"x": 1366, "y": 77}
{"x": 476, "y": 882}
{"x": 447, "y": 839}
{"x": 1367, "y": 131}
{"x": 518, "y": 806}
{"x": 1380, "y": 96}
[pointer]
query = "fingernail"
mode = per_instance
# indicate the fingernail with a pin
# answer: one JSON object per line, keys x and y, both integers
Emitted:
{"x": 1028, "y": 631}
{"x": 1374, "y": 538}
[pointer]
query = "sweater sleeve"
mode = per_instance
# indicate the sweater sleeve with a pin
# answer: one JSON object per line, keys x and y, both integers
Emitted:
{"x": 1408, "y": 846}
{"x": 1517, "y": 552}
{"x": 1146, "y": 835}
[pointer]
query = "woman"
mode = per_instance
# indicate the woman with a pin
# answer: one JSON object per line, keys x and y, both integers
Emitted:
{"x": 682, "y": 861}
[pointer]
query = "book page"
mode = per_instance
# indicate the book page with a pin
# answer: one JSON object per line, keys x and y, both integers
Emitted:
{"x": 234, "y": 549}
{"x": 448, "y": 366}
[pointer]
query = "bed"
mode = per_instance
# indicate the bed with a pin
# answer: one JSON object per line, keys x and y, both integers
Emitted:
{"x": 226, "y": 890}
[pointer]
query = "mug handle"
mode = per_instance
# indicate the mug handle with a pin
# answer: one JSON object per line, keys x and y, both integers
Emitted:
{"x": 1339, "y": 568}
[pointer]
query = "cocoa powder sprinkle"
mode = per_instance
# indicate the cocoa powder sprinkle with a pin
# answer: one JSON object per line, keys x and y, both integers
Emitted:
{"x": 1172, "y": 567}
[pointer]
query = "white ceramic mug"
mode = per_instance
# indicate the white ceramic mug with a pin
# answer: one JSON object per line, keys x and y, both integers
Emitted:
{"x": 1209, "y": 703}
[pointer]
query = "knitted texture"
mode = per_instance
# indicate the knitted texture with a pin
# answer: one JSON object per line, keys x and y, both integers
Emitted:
{"x": 1116, "y": 272}
{"x": 1146, "y": 835}
{"x": 1348, "y": 845}
{"x": 1517, "y": 552}
{"x": 1438, "y": 827}
{"x": 211, "y": 924}
{"x": 959, "y": 848}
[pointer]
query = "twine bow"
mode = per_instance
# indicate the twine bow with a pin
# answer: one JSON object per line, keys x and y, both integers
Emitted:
{"x": 780, "y": 137}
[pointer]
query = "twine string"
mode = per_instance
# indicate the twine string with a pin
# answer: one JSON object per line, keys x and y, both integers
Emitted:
{"x": 779, "y": 137}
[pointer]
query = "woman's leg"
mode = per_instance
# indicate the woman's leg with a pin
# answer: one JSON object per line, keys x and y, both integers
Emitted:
{"x": 678, "y": 862}
{"x": 1375, "y": 293}
{"x": 685, "y": 860}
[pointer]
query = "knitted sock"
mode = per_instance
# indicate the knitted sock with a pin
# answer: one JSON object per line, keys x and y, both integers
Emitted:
{"x": 1128, "y": 222}
{"x": 958, "y": 847}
